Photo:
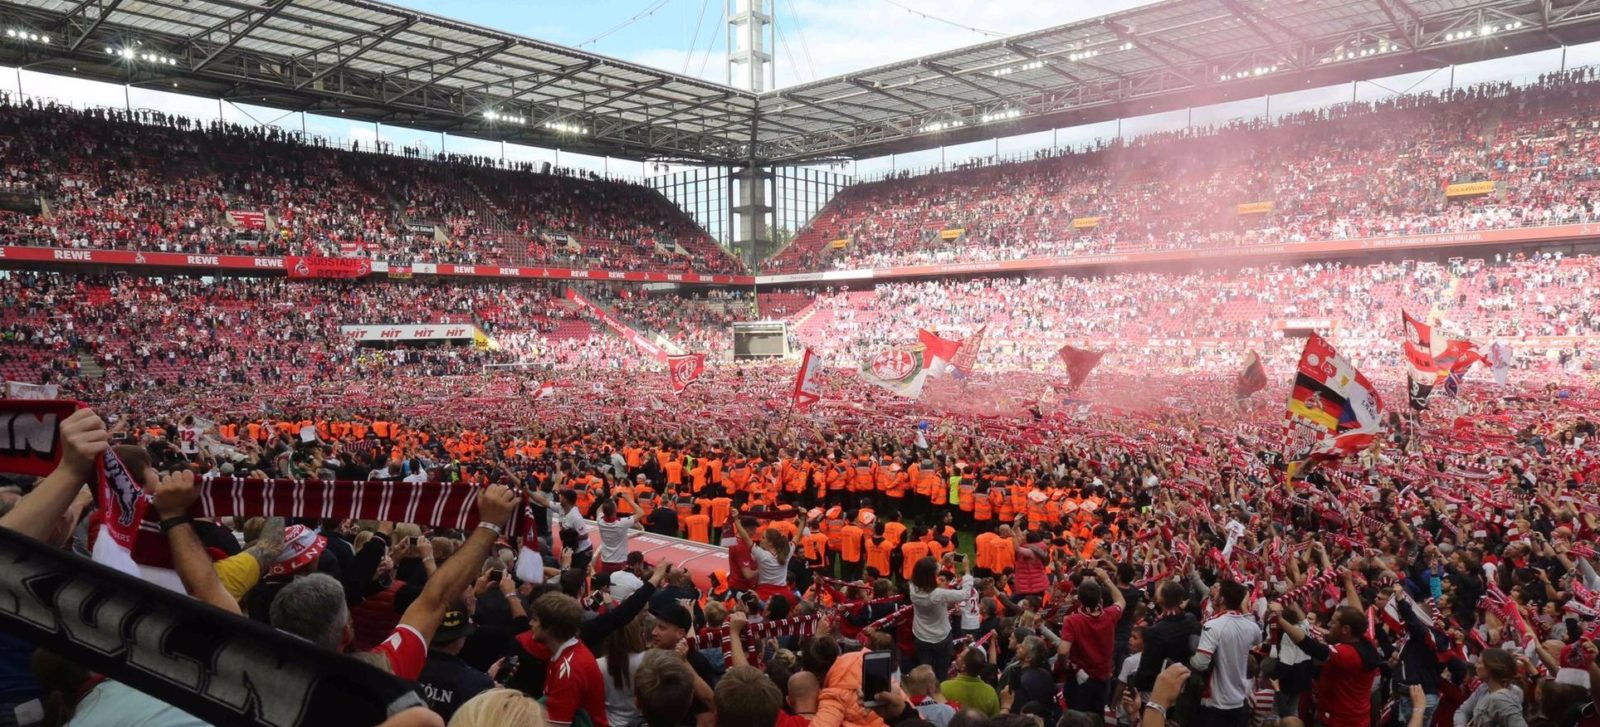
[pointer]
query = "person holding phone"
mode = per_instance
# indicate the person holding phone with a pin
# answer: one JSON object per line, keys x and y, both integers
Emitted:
{"x": 930, "y": 622}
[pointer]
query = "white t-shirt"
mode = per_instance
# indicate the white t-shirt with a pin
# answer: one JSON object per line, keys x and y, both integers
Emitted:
{"x": 189, "y": 440}
{"x": 620, "y": 706}
{"x": 614, "y": 539}
{"x": 573, "y": 520}
{"x": 769, "y": 572}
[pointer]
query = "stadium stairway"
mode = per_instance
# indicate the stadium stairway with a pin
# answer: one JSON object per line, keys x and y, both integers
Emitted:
{"x": 90, "y": 368}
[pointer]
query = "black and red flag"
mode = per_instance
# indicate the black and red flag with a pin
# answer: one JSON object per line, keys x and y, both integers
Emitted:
{"x": 1080, "y": 362}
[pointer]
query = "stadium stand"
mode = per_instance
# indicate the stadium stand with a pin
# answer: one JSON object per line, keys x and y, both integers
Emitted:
{"x": 1351, "y": 171}
{"x": 144, "y": 181}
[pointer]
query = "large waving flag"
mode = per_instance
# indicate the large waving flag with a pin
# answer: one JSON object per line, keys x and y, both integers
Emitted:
{"x": 808, "y": 384}
{"x": 1422, "y": 351}
{"x": 1500, "y": 356}
{"x": 685, "y": 370}
{"x": 1333, "y": 405}
{"x": 1252, "y": 379}
{"x": 966, "y": 356}
{"x": 1079, "y": 361}
{"x": 1458, "y": 357}
{"x": 904, "y": 369}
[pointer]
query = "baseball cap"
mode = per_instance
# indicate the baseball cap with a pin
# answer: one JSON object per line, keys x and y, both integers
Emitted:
{"x": 456, "y": 625}
{"x": 673, "y": 613}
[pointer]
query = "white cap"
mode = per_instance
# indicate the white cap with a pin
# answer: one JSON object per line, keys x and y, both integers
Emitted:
{"x": 623, "y": 584}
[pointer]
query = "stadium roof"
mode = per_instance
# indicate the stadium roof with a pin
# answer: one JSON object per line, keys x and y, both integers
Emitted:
{"x": 1164, "y": 56}
{"x": 378, "y": 62}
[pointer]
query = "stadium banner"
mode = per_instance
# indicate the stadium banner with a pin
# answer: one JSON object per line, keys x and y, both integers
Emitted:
{"x": 248, "y": 219}
{"x": 1303, "y": 324}
{"x": 1468, "y": 189}
{"x": 220, "y": 667}
{"x": 398, "y": 272}
{"x": 327, "y": 267}
{"x": 1084, "y": 223}
{"x": 952, "y": 233}
{"x": 623, "y": 330}
{"x": 21, "y": 390}
{"x": 840, "y": 244}
{"x": 1255, "y": 208}
{"x": 418, "y": 332}
{"x": 419, "y": 228}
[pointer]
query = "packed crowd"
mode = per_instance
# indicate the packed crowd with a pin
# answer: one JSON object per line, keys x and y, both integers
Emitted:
{"x": 140, "y": 180}
{"x": 1209, "y": 320}
{"x": 1086, "y": 563}
{"x": 1369, "y": 169}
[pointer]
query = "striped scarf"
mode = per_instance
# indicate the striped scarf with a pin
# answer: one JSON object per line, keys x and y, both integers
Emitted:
{"x": 437, "y": 504}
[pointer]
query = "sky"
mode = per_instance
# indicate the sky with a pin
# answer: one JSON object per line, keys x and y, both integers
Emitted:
{"x": 819, "y": 38}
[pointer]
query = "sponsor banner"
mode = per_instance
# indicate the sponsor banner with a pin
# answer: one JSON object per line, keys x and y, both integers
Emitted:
{"x": 419, "y": 228}
{"x": 951, "y": 233}
{"x": 416, "y": 332}
{"x": 1468, "y": 189}
{"x": 246, "y": 262}
{"x": 399, "y": 272}
{"x": 839, "y": 244}
{"x": 1255, "y": 208}
{"x": 1303, "y": 324}
{"x": 1084, "y": 223}
{"x": 327, "y": 267}
{"x": 20, "y": 390}
{"x": 249, "y": 219}
{"x": 1297, "y": 251}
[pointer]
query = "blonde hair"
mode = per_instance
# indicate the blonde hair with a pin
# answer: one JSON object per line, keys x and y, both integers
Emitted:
{"x": 500, "y": 708}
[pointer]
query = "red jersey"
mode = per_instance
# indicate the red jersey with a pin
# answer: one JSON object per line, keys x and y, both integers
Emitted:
{"x": 1344, "y": 689}
{"x": 1091, "y": 636}
{"x": 406, "y": 651}
{"x": 573, "y": 682}
{"x": 739, "y": 558}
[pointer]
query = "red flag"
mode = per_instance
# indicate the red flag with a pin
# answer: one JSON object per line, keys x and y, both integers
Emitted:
{"x": 327, "y": 267}
{"x": 1252, "y": 379}
{"x": 685, "y": 370}
{"x": 937, "y": 347}
{"x": 1080, "y": 362}
{"x": 966, "y": 358}
{"x": 808, "y": 384}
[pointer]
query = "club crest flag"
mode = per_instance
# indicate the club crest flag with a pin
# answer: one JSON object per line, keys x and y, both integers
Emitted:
{"x": 1252, "y": 379}
{"x": 685, "y": 370}
{"x": 1422, "y": 351}
{"x": 808, "y": 384}
{"x": 1080, "y": 362}
{"x": 904, "y": 369}
{"x": 1334, "y": 410}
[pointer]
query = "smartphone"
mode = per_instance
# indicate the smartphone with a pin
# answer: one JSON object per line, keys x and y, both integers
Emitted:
{"x": 875, "y": 667}
{"x": 495, "y": 575}
{"x": 957, "y": 557}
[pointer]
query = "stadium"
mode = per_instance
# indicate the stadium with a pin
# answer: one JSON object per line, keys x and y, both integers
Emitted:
{"x": 1188, "y": 362}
